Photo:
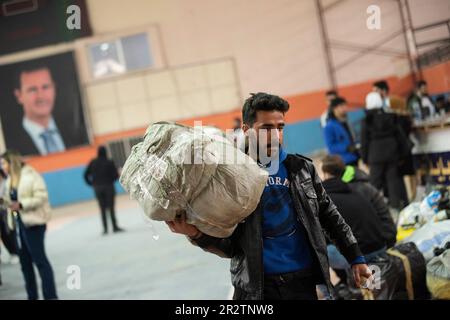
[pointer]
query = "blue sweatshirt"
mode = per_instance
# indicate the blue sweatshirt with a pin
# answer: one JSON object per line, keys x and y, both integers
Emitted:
{"x": 338, "y": 139}
{"x": 286, "y": 247}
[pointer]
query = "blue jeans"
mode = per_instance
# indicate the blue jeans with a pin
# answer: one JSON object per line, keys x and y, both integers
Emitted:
{"x": 337, "y": 260}
{"x": 32, "y": 251}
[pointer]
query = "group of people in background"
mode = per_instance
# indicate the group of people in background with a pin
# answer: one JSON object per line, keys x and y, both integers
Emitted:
{"x": 368, "y": 202}
{"x": 371, "y": 202}
{"x": 385, "y": 145}
{"x": 25, "y": 212}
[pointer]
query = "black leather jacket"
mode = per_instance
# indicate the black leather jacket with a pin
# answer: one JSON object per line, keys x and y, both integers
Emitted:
{"x": 317, "y": 213}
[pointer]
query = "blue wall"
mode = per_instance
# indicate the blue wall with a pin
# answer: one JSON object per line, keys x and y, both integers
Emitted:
{"x": 306, "y": 137}
{"x": 68, "y": 186}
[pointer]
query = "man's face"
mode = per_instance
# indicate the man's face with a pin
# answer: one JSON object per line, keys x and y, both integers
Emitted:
{"x": 36, "y": 93}
{"x": 270, "y": 122}
{"x": 340, "y": 111}
{"x": 423, "y": 89}
{"x": 382, "y": 92}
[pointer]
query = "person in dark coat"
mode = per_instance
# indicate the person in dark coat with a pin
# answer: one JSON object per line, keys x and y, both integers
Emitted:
{"x": 358, "y": 181}
{"x": 279, "y": 251}
{"x": 355, "y": 208}
{"x": 383, "y": 146}
{"x": 101, "y": 173}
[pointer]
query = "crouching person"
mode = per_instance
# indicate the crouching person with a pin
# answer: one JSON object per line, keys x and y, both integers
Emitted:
{"x": 372, "y": 227}
{"x": 279, "y": 251}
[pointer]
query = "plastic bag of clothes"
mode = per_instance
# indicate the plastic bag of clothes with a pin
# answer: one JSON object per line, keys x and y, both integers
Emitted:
{"x": 408, "y": 221}
{"x": 183, "y": 168}
{"x": 438, "y": 276}
{"x": 429, "y": 205}
{"x": 435, "y": 206}
{"x": 397, "y": 275}
{"x": 430, "y": 236}
{"x": 411, "y": 266}
{"x": 419, "y": 213}
{"x": 400, "y": 274}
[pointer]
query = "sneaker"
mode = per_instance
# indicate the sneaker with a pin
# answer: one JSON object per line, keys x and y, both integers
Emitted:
{"x": 14, "y": 259}
{"x": 118, "y": 230}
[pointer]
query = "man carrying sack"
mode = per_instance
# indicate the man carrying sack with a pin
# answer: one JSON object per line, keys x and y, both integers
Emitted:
{"x": 279, "y": 251}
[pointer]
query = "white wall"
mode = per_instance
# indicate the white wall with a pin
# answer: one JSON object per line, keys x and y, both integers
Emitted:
{"x": 426, "y": 12}
{"x": 173, "y": 93}
{"x": 347, "y": 24}
{"x": 276, "y": 44}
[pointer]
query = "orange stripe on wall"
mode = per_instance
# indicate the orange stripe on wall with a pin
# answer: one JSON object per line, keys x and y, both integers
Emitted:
{"x": 63, "y": 160}
{"x": 438, "y": 78}
{"x": 304, "y": 106}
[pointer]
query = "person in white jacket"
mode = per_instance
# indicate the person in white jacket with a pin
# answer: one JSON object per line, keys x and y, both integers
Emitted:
{"x": 7, "y": 233}
{"x": 26, "y": 197}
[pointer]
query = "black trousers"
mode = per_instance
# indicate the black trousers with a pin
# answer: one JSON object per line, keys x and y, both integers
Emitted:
{"x": 32, "y": 252}
{"x": 8, "y": 236}
{"x": 105, "y": 197}
{"x": 387, "y": 177}
{"x": 290, "y": 286}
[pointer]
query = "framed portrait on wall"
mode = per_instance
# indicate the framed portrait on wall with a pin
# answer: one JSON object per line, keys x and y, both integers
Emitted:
{"x": 42, "y": 110}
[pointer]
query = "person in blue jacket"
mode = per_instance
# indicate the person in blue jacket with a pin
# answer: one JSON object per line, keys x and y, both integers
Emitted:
{"x": 338, "y": 136}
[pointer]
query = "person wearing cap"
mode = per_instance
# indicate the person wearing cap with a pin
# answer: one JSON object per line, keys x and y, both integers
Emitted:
{"x": 337, "y": 133}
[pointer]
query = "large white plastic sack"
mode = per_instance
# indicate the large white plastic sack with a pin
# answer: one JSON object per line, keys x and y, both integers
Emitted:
{"x": 438, "y": 276}
{"x": 220, "y": 189}
{"x": 430, "y": 236}
{"x": 419, "y": 213}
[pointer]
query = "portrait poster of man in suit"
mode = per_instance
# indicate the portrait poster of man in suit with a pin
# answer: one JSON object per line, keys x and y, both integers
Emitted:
{"x": 41, "y": 111}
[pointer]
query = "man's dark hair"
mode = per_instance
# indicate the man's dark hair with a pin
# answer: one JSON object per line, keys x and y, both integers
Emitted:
{"x": 440, "y": 98}
{"x": 421, "y": 83}
{"x": 382, "y": 85}
{"x": 331, "y": 93}
{"x": 337, "y": 102}
{"x": 333, "y": 104}
{"x": 28, "y": 67}
{"x": 101, "y": 152}
{"x": 262, "y": 102}
{"x": 334, "y": 165}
